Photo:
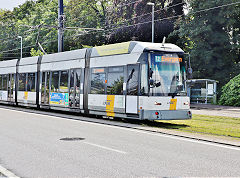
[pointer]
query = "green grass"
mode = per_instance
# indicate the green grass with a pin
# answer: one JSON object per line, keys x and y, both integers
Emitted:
{"x": 214, "y": 125}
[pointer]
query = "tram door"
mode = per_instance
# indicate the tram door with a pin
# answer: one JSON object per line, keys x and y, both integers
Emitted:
{"x": 45, "y": 88}
{"x": 75, "y": 78}
{"x": 10, "y": 87}
{"x": 132, "y": 89}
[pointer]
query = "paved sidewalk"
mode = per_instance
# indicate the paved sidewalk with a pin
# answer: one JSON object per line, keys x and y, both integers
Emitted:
{"x": 215, "y": 110}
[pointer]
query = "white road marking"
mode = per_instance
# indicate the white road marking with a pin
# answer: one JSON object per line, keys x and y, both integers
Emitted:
{"x": 106, "y": 148}
{"x": 7, "y": 173}
{"x": 138, "y": 131}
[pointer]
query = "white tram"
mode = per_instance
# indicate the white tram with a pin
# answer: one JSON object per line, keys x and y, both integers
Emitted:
{"x": 137, "y": 80}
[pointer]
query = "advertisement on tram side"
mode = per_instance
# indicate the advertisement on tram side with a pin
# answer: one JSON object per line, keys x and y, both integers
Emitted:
{"x": 61, "y": 99}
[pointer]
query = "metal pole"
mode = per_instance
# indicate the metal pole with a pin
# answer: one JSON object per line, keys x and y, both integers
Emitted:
{"x": 152, "y": 4}
{"x": 153, "y": 23}
{"x": 21, "y": 45}
{"x": 60, "y": 26}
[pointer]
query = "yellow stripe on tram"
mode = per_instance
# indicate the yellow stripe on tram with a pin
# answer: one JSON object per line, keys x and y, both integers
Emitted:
{"x": 173, "y": 104}
{"x": 110, "y": 105}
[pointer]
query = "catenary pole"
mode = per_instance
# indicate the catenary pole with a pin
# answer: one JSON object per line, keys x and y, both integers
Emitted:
{"x": 21, "y": 45}
{"x": 60, "y": 26}
{"x": 152, "y": 4}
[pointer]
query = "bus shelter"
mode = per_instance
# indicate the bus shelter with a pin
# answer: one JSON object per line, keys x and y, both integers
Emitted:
{"x": 202, "y": 91}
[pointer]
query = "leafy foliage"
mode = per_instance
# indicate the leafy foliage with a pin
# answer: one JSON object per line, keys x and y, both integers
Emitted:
{"x": 36, "y": 52}
{"x": 212, "y": 38}
{"x": 231, "y": 92}
{"x": 141, "y": 14}
{"x": 87, "y": 22}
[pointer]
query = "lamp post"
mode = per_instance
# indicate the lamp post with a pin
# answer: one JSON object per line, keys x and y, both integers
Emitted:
{"x": 152, "y": 4}
{"x": 21, "y": 45}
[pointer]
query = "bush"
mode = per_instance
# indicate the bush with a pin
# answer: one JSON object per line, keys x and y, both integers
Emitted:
{"x": 231, "y": 93}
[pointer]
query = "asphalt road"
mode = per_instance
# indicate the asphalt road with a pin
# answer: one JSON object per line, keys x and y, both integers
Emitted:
{"x": 31, "y": 146}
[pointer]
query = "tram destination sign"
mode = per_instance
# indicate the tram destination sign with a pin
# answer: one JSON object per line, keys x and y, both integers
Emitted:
{"x": 167, "y": 59}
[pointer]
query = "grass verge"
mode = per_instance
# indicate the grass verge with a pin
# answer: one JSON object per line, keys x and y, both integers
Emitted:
{"x": 214, "y": 125}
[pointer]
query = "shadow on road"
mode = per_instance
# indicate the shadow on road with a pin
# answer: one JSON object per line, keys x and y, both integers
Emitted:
{"x": 165, "y": 125}
{"x": 157, "y": 124}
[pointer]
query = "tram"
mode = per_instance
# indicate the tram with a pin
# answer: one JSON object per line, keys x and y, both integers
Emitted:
{"x": 138, "y": 80}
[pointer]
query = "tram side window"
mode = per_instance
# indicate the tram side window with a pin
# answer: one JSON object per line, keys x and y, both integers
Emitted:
{"x": 115, "y": 81}
{"x": 98, "y": 78}
{"x": 64, "y": 82}
{"x": 31, "y": 82}
{"x": 55, "y": 81}
{"x": 22, "y": 82}
{"x": 0, "y": 82}
{"x": 4, "y": 87}
{"x": 144, "y": 79}
{"x": 132, "y": 81}
{"x": 43, "y": 81}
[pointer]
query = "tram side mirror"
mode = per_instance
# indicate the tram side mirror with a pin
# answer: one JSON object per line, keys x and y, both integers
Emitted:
{"x": 158, "y": 84}
{"x": 150, "y": 73}
{"x": 131, "y": 75}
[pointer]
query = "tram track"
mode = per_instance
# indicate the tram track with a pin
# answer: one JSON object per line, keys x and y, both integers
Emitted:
{"x": 128, "y": 124}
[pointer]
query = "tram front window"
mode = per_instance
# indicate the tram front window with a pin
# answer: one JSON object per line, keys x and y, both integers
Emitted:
{"x": 166, "y": 75}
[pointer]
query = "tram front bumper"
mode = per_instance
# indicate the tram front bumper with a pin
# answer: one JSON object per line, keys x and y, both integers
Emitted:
{"x": 165, "y": 115}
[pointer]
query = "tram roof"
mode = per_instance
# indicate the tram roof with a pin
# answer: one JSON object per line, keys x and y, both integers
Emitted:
{"x": 28, "y": 61}
{"x": 8, "y": 66}
{"x": 8, "y": 63}
{"x": 67, "y": 55}
{"x": 133, "y": 47}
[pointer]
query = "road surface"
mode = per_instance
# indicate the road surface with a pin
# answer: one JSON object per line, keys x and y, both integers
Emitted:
{"x": 36, "y": 145}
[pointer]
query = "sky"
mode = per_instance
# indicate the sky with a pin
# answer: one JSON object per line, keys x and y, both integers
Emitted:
{"x": 10, "y": 4}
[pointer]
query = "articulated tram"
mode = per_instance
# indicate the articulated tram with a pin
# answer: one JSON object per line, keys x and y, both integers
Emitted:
{"x": 137, "y": 80}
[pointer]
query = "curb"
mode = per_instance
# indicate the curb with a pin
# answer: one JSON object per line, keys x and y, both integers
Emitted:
{"x": 7, "y": 173}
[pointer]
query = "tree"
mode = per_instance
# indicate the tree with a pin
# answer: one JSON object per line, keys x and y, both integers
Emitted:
{"x": 87, "y": 16}
{"x": 231, "y": 92}
{"x": 126, "y": 14}
{"x": 212, "y": 38}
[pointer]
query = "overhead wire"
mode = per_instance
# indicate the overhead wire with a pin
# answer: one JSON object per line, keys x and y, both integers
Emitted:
{"x": 190, "y": 13}
{"x": 126, "y": 20}
{"x": 167, "y": 18}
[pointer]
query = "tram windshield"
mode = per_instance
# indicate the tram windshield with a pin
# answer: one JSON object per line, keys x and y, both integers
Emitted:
{"x": 166, "y": 74}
